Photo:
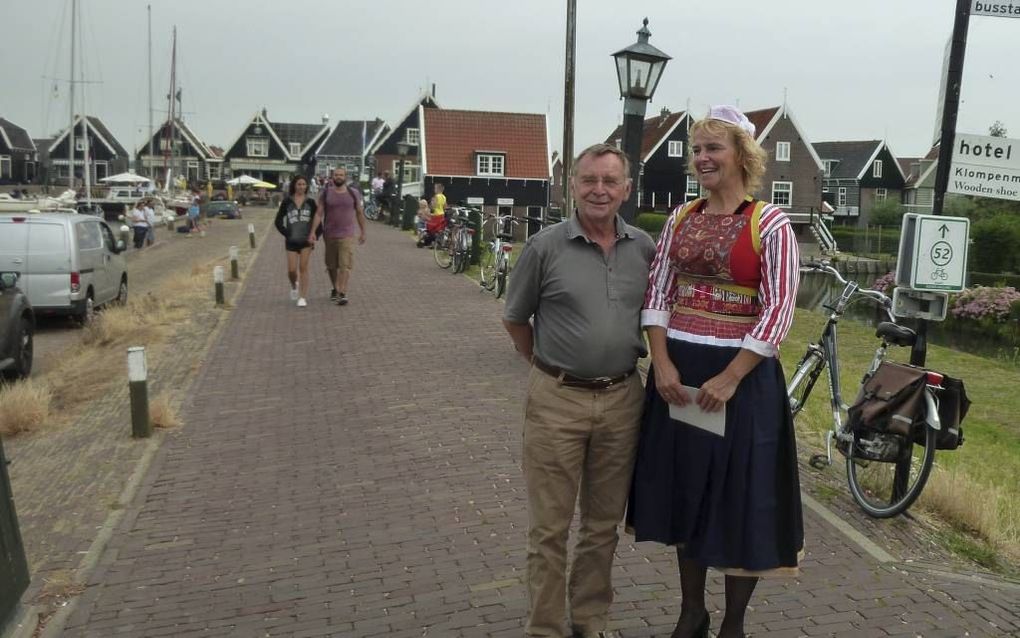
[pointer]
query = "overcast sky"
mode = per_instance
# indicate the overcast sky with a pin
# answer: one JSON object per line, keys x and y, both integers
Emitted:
{"x": 856, "y": 69}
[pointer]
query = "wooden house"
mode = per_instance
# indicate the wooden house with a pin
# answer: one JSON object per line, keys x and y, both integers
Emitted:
{"x": 350, "y": 146}
{"x": 180, "y": 150}
{"x": 18, "y": 154}
{"x": 857, "y": 175}
{"x": 106, "y": 155}
{"x": 407, "y": 129}
{"x": 272, "y": 151}
{"x": 664, "y": 181}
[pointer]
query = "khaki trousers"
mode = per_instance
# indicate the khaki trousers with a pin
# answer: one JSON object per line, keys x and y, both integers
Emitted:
{"x": 576, "y": 443}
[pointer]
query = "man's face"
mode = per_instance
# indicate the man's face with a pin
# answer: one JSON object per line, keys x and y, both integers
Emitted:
{"x": 600, "y": 187}
{"x": 340, "y": 176}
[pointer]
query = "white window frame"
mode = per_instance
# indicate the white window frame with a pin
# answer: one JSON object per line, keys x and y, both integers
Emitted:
{"x": 619, "y": 142}
{"x": 257, "y": 146}
{"x": 294, "y": 148}
{"x": 841, "y": 196}
{"x": 692, "y": 194}
{"x": 79, "y": 145}
{"x": 412, "y": 172}
{"x": 787, "y": 190}
{"x": 782, "y": 151}
{"x": 486, "y": 165}
{"x": 881, "y": 194}
{"x": 876, "y": 169}
{"x": 9, "y": 171}
{"x": 412, "y": 136}
{"x": 213, "y": 170}
{"x": 675, "y": 148}
{"x": 827, "y": 167}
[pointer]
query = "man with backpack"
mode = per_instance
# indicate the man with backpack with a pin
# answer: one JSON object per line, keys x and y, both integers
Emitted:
{"x": 341, "y": 213}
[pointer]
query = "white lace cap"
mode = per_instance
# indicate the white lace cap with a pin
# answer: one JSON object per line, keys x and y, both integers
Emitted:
{"x": 731, "y": 115}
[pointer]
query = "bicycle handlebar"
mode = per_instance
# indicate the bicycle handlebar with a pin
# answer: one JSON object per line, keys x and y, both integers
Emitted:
{"x": 826, "y": 267}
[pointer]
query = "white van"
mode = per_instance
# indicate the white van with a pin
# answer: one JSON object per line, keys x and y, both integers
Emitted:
{"x": 69, "y": 264}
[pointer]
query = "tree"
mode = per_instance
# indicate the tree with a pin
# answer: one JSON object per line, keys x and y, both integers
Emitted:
{"x": 887, "y": 212}
{"x": 997, "y": 129}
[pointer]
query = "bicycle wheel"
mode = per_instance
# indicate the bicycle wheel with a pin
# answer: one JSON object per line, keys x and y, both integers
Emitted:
{"x": 464, "y": 250}
{"x": 487, "y": 267}
{"x": 886, "y": 488}
{"x": 502, "y": 271}
{"x": 441, "y": 249}
{"x": 803, "y": 380}
{"x": 371, "y": 210}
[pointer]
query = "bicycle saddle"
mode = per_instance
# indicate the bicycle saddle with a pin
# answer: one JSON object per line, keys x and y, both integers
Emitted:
{"x": 895, "y": 334}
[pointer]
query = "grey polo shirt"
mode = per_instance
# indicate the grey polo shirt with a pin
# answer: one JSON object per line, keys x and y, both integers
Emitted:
{"x": 586, "y": 304}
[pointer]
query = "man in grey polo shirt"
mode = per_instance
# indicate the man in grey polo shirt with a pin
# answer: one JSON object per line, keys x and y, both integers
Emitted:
{"x": 583, "y": 282}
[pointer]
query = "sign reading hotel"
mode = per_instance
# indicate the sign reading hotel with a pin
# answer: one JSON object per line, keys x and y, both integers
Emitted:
{"x": 985, "y": 166}
{"x": 997, "y": 9}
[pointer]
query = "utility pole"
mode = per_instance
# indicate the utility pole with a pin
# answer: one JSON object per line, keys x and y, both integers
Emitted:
{"x": 151, "y": 132}
{"x": 568, "y": 107}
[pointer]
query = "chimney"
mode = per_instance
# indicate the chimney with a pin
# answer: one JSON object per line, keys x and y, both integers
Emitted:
{"x": 265, "y": 115}
{"x": 325, "y": 119}
{"x": 664, "y": 112}
{"x": 433, "y": 90}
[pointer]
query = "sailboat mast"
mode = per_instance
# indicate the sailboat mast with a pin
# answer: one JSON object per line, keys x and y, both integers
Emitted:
{"x": 151, "y": 132}
{"x": 169, "y": 136}
{"x": 70, "y": 139}
{"x": 86, "y": 165}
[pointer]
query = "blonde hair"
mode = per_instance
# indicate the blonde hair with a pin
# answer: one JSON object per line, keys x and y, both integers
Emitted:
{"x": 751, "y": 156}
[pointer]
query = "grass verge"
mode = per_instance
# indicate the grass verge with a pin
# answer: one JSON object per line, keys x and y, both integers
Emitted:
{"x": 975, "y": 489}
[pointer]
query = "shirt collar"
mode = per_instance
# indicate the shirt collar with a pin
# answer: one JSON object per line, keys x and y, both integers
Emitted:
{"x": 574, "y": 229}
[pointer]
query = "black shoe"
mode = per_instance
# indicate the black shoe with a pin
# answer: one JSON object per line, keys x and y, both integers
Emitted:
{"x": 700, "y": 632}
{"x": 333, "y": 296}
{"x": 341, "y": 299}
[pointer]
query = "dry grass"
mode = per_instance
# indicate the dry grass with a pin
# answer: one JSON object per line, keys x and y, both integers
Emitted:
{"x": 58, "y": 587}
{"x": 24, "y": 406}
{"x": 163, "y": 414}
{"x": 985, "y": 511}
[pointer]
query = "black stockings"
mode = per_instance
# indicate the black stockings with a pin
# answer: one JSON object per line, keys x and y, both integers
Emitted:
{"x": 692, "y": 604}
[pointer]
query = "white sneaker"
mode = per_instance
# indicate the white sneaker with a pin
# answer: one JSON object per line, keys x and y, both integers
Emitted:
{"x": 293, "y": 294}
{"x": 301, "y": 303}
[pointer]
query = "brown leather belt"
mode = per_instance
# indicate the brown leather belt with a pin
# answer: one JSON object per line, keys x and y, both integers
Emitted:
{"x": 569, "y": 380}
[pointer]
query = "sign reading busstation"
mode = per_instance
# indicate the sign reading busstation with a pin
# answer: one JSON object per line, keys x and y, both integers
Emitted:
{"x": 933, "y": 252}
{"x": 997, "y": 9}
{"x": 985, "y": 166}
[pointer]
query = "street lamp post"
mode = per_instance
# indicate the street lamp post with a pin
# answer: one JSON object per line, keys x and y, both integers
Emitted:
{"x": 403, "y": 148}
{"x": 638, "y": 70}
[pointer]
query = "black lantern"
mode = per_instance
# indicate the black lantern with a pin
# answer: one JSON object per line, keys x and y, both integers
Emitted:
{"x": 638, "y": 71}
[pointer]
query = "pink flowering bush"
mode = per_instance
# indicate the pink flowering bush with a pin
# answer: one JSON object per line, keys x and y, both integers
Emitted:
{"x": 885, "y": 283}
{"x": 985, "y": 303}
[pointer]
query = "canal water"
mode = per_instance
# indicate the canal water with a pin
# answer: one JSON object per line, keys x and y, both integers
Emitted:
{"x": 818, "y": 289}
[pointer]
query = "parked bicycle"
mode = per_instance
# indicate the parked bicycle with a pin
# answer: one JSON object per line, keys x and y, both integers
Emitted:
{"x": 372, "y": 209}
{"x": 497, "y": 246}
{"x": 886, "y": 472}
{"x": 451, "y": 246}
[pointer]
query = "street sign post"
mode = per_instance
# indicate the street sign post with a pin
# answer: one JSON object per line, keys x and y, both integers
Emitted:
{"x": 985, "y": 166}
{"x": 933, "y": 253}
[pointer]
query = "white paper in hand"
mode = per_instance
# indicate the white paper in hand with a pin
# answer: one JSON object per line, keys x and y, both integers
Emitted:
{"x": 714, "y": 422}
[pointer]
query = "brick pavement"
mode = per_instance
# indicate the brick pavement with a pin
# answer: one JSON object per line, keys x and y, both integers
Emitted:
{"x": 355, "y": 472}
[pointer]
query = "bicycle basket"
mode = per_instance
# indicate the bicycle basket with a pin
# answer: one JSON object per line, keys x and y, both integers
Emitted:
{"x": 874, "y": 446}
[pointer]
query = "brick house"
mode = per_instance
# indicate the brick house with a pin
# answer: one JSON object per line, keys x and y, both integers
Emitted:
{"x": 497, "y": 161}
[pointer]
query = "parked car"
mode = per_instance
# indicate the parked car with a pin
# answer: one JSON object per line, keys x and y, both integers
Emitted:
{"x": 225, "y": 209}
{"x": 68, "y": 264}
{"x": 17, "y": 326}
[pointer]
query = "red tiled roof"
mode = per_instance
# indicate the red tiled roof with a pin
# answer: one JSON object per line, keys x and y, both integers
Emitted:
{"x": 453, "y": 137}
{"x": 654, "y": 129}
{"x": 761, "y": 119}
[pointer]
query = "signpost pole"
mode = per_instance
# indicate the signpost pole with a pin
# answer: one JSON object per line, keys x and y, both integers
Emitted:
{"x": 947, "y": 139}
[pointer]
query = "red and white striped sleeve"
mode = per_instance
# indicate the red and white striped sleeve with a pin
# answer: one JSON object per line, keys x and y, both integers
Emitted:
{"x": 780, "y": 276}
{"x": 659, "y": 296}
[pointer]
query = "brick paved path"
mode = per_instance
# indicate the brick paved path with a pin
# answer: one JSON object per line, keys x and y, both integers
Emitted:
{"x": 355, "y": 472}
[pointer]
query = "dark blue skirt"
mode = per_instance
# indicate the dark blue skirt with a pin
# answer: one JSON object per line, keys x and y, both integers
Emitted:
{"x": 728, "y": 502}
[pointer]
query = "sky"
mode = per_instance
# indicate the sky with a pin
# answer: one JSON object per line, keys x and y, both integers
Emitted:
{"x": 851, "y": 70}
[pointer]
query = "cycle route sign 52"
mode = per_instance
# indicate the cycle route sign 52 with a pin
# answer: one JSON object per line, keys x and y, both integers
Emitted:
{"x": 933, "y": 253}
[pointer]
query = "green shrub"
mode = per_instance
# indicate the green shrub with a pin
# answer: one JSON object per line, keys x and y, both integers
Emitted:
{"x": 994, "y": 279}
{"x": 651, "y": 223}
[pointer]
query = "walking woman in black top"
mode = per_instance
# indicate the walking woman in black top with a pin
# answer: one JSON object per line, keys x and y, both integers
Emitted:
{"x": 294, "y": 221}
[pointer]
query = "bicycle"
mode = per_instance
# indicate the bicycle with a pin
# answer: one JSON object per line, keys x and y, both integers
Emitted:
{"x": 461, "y": 239}
{"x": 885, "y": 472}
{"x": 494, "y": 264}
{"x": 372, "y": 209}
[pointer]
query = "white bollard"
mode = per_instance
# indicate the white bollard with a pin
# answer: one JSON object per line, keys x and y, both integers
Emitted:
{"x": 251, "y": 235}
{"x": 217, "y": 274}
{"x": 234, "y": 271}
{"x": 138, "y": 388}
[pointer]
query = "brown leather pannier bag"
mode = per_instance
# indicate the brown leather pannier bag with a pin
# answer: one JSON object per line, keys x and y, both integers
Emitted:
{"x": 890, "y": 400}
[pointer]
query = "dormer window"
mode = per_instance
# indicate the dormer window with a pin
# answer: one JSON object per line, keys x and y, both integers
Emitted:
{"x": 295, "y": 148}
{"x": 829, "y": 165}
{"x": 258, "y": 146}
{"x": 489, "y": 164}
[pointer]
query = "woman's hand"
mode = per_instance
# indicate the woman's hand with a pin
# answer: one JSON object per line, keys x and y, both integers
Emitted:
{"x": 311, "y": 239}
{"x": 715, "y": 392}
{"x": 667, "y": 383}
